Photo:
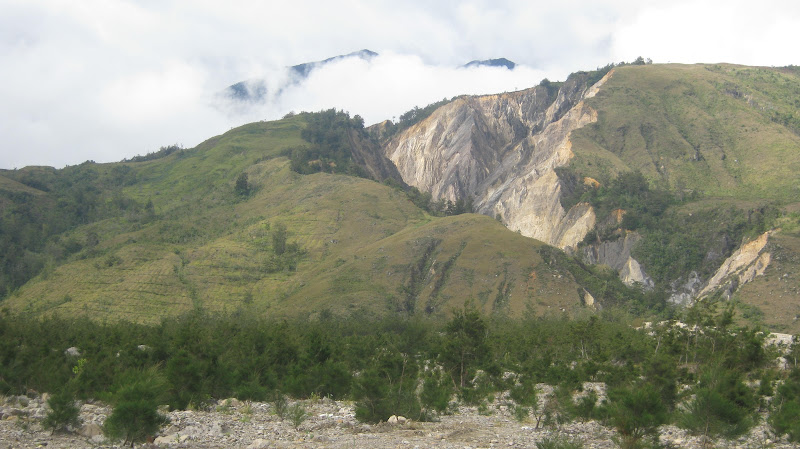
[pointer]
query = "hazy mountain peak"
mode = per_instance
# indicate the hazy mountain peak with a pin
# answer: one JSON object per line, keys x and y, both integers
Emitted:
{"x": 499, "y": 62}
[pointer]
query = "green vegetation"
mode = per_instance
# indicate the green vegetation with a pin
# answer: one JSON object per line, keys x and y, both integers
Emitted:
{"x": 678, "y": 236}
{"x": 162, "y": 152}
{"x": 636, "y": 412}
{"x": 382, "y": 363}
{"x": 330, "y": 149}
{"x": 63, "y": 413}
{"x": 410, "y": 118}
{"x": 135, "y": 399}
{"x": 177, "y": 234}
{"x": 785, "y": 420}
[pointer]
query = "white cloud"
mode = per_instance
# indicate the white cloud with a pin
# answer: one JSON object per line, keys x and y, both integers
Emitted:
{"x": 735, "y": 31}
{"x": 383, "y": 87}
{"x": 108, "y": 79}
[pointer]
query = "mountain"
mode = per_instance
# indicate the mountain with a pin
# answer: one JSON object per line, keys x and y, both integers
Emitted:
{"x": 354, "y": 245}
{"x": 679, "y": 181}
{"x": 661, "y": 172}
{"x": 500, "y": 62}
{"x": 255, "y": 90}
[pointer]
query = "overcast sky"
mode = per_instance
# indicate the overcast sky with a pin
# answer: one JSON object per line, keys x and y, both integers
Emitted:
{"x": 109, "y": 79}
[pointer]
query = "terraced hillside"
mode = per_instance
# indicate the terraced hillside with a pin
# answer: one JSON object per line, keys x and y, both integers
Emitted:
{"x": 350, "y": 245}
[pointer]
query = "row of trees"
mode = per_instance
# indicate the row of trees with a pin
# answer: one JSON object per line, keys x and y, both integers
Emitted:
{"x": 418, "y": 367}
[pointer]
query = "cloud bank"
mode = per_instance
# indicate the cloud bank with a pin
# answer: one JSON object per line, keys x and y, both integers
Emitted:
{"x": 108, "y": 79}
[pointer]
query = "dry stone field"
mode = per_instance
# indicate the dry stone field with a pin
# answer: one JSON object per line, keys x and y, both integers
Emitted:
{"x": 327, "y": 424}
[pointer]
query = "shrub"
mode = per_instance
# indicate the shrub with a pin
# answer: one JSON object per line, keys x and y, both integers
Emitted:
{"x": 297, "y": 414}
{"x": 388, "y": 388}
{"x": 636, "y": 412}
{"x": 586, "y": 405}
{"x": 135, "y": 415}
{"x": 722, "y": 406}
{"x": 280, "y": 406}
{"x": 436, "y": 391}
{"x": 785, "y": 418}
{"x": 63, "y": 411}
{"x": 521, "y": 413}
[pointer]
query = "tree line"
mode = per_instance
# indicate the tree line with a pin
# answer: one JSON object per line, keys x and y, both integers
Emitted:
{"x": 706, "y": 375}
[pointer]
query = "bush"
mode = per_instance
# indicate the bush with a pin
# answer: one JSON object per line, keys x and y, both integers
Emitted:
{"x": 63, "y": 411}
{"x": 785, "y": 418}
{"x": 280, "y": 406}
{"x": 436, "y": 391}
{"x": 722, "y": 406}
{"x": 388, "y": 388}
{"x": 636, "y": 412}
{"x": 135, "y": 416}
{"x": 297, "y": 414}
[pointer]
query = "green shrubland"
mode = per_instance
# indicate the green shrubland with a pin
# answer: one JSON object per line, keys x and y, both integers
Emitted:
{"x": 408, "y": 366}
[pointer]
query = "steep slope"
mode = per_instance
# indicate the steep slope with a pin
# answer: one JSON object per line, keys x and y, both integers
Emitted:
{"x": 501, "y": 150}
{"x": 719, "y": 130}
{"x": 724, "y": 140}
{"x": 719, "y": 146}
{"x": 349, "y": 245}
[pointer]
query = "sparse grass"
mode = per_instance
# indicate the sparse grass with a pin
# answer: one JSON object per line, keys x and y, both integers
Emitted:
{"x": 710, "y": 129}
{"x": 297, "y": 414}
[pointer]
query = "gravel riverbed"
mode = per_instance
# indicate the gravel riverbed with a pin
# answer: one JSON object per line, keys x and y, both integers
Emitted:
{"x": 328, "y": 424}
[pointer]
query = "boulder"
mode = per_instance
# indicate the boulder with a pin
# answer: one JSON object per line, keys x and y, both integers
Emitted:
{"x": 259, "y": 444}
{"x": 167, "y": 440}
{"x": 90, "y": 430}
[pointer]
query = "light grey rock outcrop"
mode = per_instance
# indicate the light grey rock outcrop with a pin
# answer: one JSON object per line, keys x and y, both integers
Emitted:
{"x": 747, "y": 262}
{"x": 502, "y": 151}
{"x": 617, "y": 255}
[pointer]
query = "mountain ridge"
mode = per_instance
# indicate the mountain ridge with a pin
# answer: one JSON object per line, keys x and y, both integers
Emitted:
{"x": 137, "y": 245}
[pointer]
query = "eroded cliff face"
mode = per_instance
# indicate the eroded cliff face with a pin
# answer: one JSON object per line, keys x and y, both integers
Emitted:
{"x": 617, "y": 255}
{"x": 749, "y": 261}
{"x": 502, "y": 150}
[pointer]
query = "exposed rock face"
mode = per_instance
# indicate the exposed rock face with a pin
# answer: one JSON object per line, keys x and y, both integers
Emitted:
{"x": 366, "y": 154}
{"x": 502, "y": 150}
{"x": 749, "y": 261}
{"x": 683, "y": 293}
{"x": 617, "y": 255}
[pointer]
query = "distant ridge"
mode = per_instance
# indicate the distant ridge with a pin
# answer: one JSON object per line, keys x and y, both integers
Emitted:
{"x": 305, "y": 69}
{"x": 255, "y": 90}
{"x": 500, "y": 62}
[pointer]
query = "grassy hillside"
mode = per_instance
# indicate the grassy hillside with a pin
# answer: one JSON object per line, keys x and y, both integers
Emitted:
{"x": 353, "y": 245}
{"x": 723, "y": 143}
{"x": 717, "y": 147}
{"x": 720, "y": 131}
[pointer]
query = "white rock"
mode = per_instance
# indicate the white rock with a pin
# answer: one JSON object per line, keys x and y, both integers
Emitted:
{"x": 90, "y": 430}
{"x": 392, "y": 419}
{"x": 72, "y": 351}
{"x": 259, "y": 444}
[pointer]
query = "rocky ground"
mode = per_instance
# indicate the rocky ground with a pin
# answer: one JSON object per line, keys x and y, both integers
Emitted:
{"x": 328, "y": 424}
